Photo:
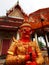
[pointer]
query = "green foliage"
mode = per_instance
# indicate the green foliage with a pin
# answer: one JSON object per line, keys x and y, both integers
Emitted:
{"x": 41, "y": 45}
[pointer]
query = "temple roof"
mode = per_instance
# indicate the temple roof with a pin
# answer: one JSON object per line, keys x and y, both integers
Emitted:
{"x": 14, "y": 8}
{"x": 43, "y": 10}
{"x": 40, "y": 19}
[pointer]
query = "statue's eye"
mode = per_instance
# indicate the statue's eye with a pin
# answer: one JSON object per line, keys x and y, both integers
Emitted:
{"x": 24, "y": 30}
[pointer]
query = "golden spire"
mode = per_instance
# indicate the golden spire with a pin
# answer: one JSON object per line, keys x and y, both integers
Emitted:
{"x": 17, "y": 2}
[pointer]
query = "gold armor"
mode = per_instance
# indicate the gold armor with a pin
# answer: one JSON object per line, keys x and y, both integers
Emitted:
{"x": 18, "y": 50}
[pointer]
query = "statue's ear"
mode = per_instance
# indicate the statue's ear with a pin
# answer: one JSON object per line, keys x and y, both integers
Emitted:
{"x": 19, "y": 30}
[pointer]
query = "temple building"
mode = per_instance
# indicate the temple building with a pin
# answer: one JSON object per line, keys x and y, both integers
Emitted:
{"x": 40, "y": 18}
{"x": 9, "y": 25}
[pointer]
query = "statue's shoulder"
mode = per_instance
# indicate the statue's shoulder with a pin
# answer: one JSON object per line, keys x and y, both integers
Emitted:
{"x": 33, "y": 43}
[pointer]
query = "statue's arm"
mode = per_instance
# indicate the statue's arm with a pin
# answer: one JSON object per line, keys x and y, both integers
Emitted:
{"x": 14, "y": 59}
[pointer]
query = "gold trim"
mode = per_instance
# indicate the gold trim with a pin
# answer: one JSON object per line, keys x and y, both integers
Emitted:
{"x": 10, "y": 52}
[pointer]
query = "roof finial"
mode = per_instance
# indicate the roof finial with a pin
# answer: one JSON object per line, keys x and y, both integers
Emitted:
{"x": 17, "y": 2}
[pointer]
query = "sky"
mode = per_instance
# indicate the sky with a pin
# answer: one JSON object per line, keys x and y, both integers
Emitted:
{"x": 28, "y": 6}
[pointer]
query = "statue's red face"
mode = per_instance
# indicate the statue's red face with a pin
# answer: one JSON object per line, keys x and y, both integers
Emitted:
{"x": 26, "y": 31}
